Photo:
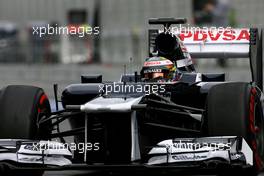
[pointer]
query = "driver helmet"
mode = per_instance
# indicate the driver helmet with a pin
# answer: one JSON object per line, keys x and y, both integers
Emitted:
{"x": 158, "y": 68}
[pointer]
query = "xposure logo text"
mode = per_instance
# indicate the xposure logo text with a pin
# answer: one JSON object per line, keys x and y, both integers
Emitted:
{"x": 131, "y": 88}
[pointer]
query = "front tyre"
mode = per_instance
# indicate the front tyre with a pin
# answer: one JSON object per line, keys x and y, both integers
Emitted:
{"x": 21, "y": 108}
{"x": 235, "y": 109}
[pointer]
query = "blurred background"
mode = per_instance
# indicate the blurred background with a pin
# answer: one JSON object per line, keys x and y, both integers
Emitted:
{"x": 29, "y": 59}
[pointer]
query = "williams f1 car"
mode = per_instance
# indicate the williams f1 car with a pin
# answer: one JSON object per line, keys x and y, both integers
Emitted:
{"x": 198, "y": 123}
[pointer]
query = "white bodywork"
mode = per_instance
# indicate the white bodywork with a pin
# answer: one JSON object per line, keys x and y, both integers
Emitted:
{"x": 34, "y": 152}
{"x": 110, "y": 104}
{"x": 188, "y": 151}
{"x": 215, "y": 43}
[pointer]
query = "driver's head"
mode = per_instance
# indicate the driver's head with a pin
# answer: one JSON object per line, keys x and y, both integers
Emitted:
{"x": 158, "y": 67}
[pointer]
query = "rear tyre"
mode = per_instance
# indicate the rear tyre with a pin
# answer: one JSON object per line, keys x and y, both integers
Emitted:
{"x": 234, "y": 109}
{"x": 21, "y": 108}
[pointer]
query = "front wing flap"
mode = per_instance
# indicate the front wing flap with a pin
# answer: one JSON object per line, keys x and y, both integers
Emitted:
{"x": 34, "y": 152}
{"x": 172, "y": 155}
{"x": 229, "y": 150}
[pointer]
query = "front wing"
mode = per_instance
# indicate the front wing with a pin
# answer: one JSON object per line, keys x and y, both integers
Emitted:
{"x": 169, "y": 155}
{"x": 225, "y": 150}
{"x": 34, "y": 152}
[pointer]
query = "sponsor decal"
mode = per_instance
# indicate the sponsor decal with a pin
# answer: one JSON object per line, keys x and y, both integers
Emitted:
{"x": 153, "y": 71}
{"x": 157, "y": 63}
{"x": 216, "y": 35}
{"x": 186, "y": 157}
{"x": 31, "y": 159}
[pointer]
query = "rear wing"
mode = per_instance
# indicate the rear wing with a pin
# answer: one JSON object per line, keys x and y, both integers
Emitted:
{"x": 231, "y": 43}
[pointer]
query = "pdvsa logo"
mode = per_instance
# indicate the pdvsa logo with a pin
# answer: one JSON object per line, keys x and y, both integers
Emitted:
{"x": 216, "y": 35}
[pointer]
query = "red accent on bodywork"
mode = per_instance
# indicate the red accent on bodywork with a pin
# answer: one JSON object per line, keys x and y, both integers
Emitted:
{"x": 253, "y": 131}
{"x": 215, "y": 35}
{"x": 42, "y": 98}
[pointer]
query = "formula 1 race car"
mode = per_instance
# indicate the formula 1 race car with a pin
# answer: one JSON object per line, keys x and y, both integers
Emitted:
{"x": 198, "y": 123}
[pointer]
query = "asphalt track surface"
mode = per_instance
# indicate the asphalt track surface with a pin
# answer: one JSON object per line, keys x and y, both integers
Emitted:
{"x": 82, "y": 173}
{"x": 45, "y": 75}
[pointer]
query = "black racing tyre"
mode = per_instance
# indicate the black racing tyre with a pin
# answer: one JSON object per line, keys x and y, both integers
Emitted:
{"x": 234, "y": 109}
{"x": 21, "y": 108}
